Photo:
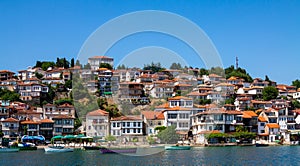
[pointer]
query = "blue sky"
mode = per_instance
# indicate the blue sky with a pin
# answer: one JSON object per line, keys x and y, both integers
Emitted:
{"x": 263, "y": 34}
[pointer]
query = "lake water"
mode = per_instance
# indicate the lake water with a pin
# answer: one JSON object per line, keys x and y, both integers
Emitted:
{"x": 273, "y": 155}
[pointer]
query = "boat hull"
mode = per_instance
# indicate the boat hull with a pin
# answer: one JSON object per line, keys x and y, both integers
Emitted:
{"x": 118, "y": 150}
{"x": 177, "y": 147}
{"x": 92, "y": 147}
{"x": 58, "y": 150}
{"x": 8, "y": 150}
{"x": 261, "y": 145}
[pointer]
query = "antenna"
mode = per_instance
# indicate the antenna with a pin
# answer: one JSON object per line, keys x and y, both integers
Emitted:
{"x": 236, "y": 63}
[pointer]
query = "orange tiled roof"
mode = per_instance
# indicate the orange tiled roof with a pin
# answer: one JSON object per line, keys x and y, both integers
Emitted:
{"x": 273, "y": 125}
{"x": 46, "y": 121}
{"x": 260, "y": 102}
{"x": 262, "y": 119}
{"x": 179, "y": 98}
{"x": 178, "y": 108}
{"x": 100, "y": 57}
{"x": 249, "y": 114}
{"x": 98, "y": 112}
{"x": 165, "y": 105}
{"x": 10, "y": 120}
{"x": 125, "y": 118}
{"x": 29, "y": 122}
{"x": 210, "y": 132}
{"x": 62, "y": 117}
{"x": 152, "y": 115}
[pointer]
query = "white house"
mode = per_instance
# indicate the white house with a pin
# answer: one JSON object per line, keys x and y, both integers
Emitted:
{"x": 97, "y": 123}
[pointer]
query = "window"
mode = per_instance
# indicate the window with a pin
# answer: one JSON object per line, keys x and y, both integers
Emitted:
{"x": 134, "y": 124}
{"x": 139, "y": 124}
{"x": 89, "y": 127}
{"x": 128, "y": 130}
{"x": 118, "y": 124}
{"x": 134, "y": 130}
{"x": 128, "y": 124}
{"x": 262, "y": 124}
{"x": 114, "y": 124}
{"x": 159, "y": 122}
{"x": 123, "y": 130}
{"x": 183, "y": 116}
{"x": 123, "y": 124}
{"x": 139, "y": 130}
{"x": 172, "y": 116}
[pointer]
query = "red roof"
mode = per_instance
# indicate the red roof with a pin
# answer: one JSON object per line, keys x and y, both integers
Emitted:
{"x": 46, "y": 121}
{"x": 10, "y": 120}
{"x": 98, "y": 112}
{"x": 100, "y": 57}
{"x": 249, "y": 114}
{"x": 273, "y": 125}
{"x": 126, "y": 118}
{"x": 29, "y": 122}
{"x": 152, "y": 115}
{"x": 179, "y": 98}
{"x": 62, "y": 117}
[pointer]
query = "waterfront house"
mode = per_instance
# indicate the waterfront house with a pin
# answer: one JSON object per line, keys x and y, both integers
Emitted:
{"x": 63, "y": 125}
{"x": 10, "y": 127}
{"x": 250, "y": 120}
{"x": 272, "y": 129}
{"x": 179, "y": 113}
{"x": 152, "y": 120}
{"x": 46, "y": 128}
{"x": 127, "y": 126}
{"x": 29, "y": 127}
{"x": 97, "y": 123}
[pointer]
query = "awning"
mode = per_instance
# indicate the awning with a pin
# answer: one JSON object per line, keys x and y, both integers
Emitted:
{"x": 108, "y": 93}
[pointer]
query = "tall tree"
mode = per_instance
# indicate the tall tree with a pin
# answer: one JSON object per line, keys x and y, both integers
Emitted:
{"x": 296, "y": 83}
{"x": 168, "y": 135}
{"x": 269, "y": 93}
{"x": 72, "y": 62}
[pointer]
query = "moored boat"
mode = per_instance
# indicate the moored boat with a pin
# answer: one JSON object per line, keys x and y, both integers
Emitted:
{"x": 58, "y": 149}
{"x": 177, "y": 147}
{"x": 7, "y": 150}
{"x": 92, "y": 147}
{"x": 118, "y": 150}
{"x": 261, "y": 145}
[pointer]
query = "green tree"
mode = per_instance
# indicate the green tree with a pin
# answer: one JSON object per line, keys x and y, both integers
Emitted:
{"x": 176, "y": 66}
{"x": 160, "y": 128}
{"x": 78, "y": 63}
{"x": 241, "y": 73}
{"x": 105, "y": 65}
{"x": 46, "y": 65}
{"x": 295, "y": 104}
{"x": 110, "y": 138}
{"x": 296, "y": 83}
{"x": 154, "y": 67}
{"x": 168, "y": 135}
{"x": 38, "y": 75}
{"x": 87, "y": 66}
{"x": 72, "y": 62}
{"x": 6, "y": 94}
{"x": 267, "y": 78}
{"x": 269, "y": 93}
{"x": 203, "y": 72}
{"x": 120, "y": 67}
{"x": 68, "y": 84}
{"x": 77, "y": 123}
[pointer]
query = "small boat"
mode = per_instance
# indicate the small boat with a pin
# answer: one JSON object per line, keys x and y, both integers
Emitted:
{"x": 27, "y": 146}
{"x": 7, "y": 150}
{"x": 58, "y": 149}
{"x": 261, "y": 145}
{"x": 177, "y": 147}
{"x": 92, "y": 147}
{"x": 118, "y": 150}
